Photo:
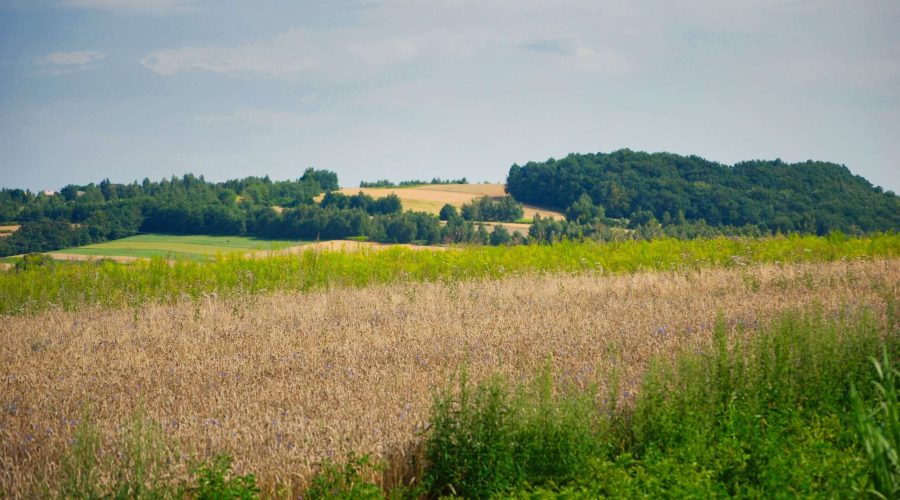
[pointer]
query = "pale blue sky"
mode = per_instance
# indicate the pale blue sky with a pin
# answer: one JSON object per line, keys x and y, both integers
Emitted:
{"x": 128, "y": 89}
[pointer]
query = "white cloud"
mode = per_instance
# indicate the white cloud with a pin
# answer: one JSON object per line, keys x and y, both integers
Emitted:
{"x": 285, "y": 56}
{"x": 597, "y": 60}
{"x": 76, "y": 58}
{"x": 268, "y": 119}
{"x": 360, "y": 53}
{"x": 341, "y": 54}
{"x": 386, "y": 51}
{"x": 433, "y": 43}
{"x": 64, "y": 63}
{"x": 155, "y": 7}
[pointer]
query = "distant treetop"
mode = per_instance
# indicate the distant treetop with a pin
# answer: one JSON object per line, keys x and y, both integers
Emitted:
{"x": 812, "y": 196}
{"x": 384, "y": 183}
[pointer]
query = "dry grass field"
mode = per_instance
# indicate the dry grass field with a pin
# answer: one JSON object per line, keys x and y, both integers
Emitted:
{"x": 430, "y": 198}
{"x": 284, "y": 381}
{"x": 8, "y": 230}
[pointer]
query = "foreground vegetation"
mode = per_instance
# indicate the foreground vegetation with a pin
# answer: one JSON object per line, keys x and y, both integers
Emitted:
{"x": 287, "y": 383}
{"x": 109, "y": 284}
{"x": 806, "y": 407}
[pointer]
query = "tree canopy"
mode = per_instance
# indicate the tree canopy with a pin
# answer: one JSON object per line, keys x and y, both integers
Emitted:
{"x": 811, "y": 197}
{"x": 81, "y": 215}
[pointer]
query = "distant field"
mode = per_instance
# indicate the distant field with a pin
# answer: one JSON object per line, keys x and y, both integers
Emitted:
{"x": 8, "y": 230}
{"x": 171, "y": 246}
{"x": 431, "y": 197}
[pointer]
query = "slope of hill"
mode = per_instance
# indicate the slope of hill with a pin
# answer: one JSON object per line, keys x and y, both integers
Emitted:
{"x": 431, "y": 197}
{"x": 810, "y": 196}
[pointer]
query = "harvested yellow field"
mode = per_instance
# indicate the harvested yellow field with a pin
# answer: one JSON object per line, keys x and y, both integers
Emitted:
{"x": 283, "y": 381}
{"x": 431, "y": 197}
{"x": 8, "y": 230}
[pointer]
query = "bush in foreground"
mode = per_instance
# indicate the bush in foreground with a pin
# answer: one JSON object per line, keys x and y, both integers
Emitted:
{"x": 758, "y": 415}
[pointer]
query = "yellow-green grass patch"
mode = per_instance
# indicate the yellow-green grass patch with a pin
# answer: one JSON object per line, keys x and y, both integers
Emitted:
{"x": 171, "y": 246}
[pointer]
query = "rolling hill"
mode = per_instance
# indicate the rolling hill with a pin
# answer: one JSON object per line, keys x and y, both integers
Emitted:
{"x": 811, "y": 197}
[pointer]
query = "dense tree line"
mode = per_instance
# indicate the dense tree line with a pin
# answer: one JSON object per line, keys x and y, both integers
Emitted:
{"x": 81, "y": 215}
{"x": 384, "y": 183}
{"x": 611, "y": 196}
{"x": 504, "y": 209}
{"x": 381, "y": 206}
{"x": 549, "y": 230}
{"x": 810, "y": 197}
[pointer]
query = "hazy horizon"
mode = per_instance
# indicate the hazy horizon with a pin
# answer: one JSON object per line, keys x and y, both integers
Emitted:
{"x": 372, "y": 89}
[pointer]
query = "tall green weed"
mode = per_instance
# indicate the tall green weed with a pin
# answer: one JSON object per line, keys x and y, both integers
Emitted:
{"x": 755, "y": 414}
{"x": 879, "y": 428}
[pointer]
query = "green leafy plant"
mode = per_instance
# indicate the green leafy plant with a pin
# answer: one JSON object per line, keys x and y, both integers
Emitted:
{"x": 34, "y": 260}
{"x": 345, "y": 481}
{"x": 487, "y": 439}
{"x": 215, "y": 479}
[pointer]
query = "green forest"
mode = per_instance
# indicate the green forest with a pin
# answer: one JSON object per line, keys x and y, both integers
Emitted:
{"x": 254, "y": 206}
{"x": 772, "y": 196}
{"x": 614, "y": 196}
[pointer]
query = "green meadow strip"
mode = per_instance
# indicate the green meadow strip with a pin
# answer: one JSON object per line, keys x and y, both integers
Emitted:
{"x": 108, "y": 284}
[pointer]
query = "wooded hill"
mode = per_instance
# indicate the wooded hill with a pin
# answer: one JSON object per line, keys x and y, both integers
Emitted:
{"x": 652, "y": 194}
{"x": 810, "y": 197}
{"x": 253, "y": 206}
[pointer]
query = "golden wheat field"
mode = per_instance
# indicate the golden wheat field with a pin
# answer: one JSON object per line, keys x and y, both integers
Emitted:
{"x": 430, "y": 198}
{"x": 283, "y": 381}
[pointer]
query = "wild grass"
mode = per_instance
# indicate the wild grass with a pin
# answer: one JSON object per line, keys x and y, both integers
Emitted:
{"x": 110, "y": 285}
{"x": 287, "y": 382}
{"x": 760, "y": 416}
{"x": 879, "y": 427}
{"x": 141, "y": 462}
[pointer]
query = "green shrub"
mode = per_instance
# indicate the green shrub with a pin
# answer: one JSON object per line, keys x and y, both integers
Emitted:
{"x": 214, "y": 479}
{"x": 489, "y": 439}
{"x": 762, "y": 414}
{"x": 345, "y": 481}
{"x": 33, "y": 261}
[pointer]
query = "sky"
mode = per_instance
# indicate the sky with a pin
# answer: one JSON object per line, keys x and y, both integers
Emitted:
{"x": 398, "y": 89}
